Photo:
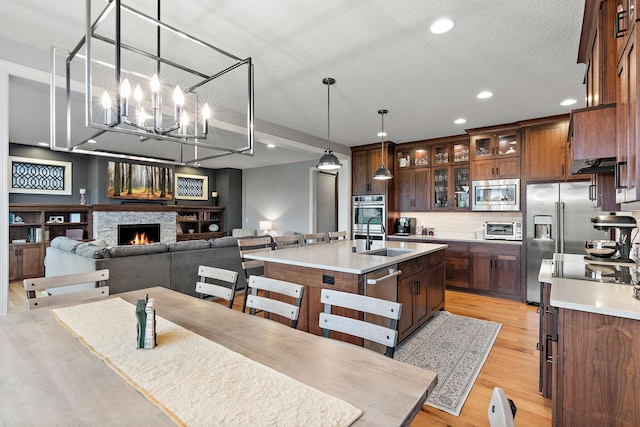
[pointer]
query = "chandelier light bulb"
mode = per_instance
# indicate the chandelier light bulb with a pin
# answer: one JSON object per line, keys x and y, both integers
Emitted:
{"x": 206, "y": 113}
{"x": 178, "y": 99}
{"x": 141, "y": 116}
{"x": 125, "y": 89}
{"x": 155, "y": 83}
{"x": 184, "y": 122}
{"x": 137, "y": 94}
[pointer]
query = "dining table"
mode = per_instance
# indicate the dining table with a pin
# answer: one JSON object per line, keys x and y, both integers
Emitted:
{"x": 49, "y": 377}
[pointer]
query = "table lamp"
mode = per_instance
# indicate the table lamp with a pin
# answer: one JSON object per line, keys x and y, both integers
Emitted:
{"x": 266, "y": 226}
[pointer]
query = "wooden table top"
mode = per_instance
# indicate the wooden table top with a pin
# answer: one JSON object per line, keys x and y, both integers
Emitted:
{"x": 48, "y": 377}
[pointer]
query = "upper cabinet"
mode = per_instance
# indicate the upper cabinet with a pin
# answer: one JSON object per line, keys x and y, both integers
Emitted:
{"x": 365, "y": 161}
{"x": 546, "y": 151}
{"x": 495, "y": 154}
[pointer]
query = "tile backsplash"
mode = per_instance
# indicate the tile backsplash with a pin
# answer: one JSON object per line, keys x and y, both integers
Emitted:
{"x": 461, "y": 225}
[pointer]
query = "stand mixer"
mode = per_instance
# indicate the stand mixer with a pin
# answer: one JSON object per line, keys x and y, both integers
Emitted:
{"x": 617, "y": 251}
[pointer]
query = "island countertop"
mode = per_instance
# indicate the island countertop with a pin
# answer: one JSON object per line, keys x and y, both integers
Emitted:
{"x": 339, "y": 256}
{"x": 583, "y": 295}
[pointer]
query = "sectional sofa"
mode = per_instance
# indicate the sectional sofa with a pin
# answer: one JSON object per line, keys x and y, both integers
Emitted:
{"x": 173, "y": 265}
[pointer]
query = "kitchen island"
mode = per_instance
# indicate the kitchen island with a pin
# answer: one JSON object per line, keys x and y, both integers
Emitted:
{"x": 414, "y": 275}
{"x": 589, "y": 341}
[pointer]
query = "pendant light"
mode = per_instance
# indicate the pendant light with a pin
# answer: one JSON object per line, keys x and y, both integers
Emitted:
{"x": 329, "y": 161}
{"x": 382, "y": 172}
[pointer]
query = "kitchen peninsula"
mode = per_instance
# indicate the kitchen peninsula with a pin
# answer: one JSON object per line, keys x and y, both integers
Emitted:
{"x": 589, "y": 341}
{"x": 406, "y": 272}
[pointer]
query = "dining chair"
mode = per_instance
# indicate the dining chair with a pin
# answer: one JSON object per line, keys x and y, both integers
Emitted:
{"x": 502, "y": 410}
{"x": 252, "y": 266}
{"x": 214, "y": 289}
{"x": 390, "y": 310}
{"x": 311, "y": 239}
{"x": 337, "y": 235}
{"x": 269, "y": 304}
{"x": 37, "y": 299}
{"x": 288, "y": 241}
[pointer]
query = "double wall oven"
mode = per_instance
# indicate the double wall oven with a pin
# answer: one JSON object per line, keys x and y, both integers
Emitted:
{"x": 365, "y": 208}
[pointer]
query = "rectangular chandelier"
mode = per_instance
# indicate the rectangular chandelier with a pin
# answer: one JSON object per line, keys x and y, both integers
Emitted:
{"x": 144, "y": 79}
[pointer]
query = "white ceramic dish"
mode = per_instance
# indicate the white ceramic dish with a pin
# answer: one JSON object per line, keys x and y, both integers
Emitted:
{"x": 214, "y": 227}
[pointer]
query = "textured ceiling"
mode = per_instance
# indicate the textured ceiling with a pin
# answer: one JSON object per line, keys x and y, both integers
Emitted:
{"x": 380, "y": 52}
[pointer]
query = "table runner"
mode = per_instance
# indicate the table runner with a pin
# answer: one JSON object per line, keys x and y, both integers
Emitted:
{"x": 196, "y": 381}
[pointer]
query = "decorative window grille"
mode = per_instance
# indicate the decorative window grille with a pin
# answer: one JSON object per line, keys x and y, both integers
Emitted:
{"x": 40, "y": 176}
{"x": 191, "y": 187}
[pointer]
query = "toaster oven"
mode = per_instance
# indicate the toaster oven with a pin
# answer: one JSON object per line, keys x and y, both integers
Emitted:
{"x": 503, "y": 230}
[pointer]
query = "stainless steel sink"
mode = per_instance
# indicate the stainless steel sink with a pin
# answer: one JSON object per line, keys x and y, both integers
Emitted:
{"x": 387, "y": 252}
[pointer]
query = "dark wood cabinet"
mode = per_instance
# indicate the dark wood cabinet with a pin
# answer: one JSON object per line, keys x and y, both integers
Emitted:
{"x": 420, "y": 290}
{"x": 365, "y": 161}
{"x": 457, "y": 265}
{"x": 205, "y": 222}
{"x": 495, "y": 154}
{"x": 495, "y": 268}
{"x": 594, "y": 372}
{"x": 26, "y": 260}
{"x": 546, "y": 152}
{"x": 33, "y": 226}
{"x": 412, "y": 189}
{"x": 627, "y": 187}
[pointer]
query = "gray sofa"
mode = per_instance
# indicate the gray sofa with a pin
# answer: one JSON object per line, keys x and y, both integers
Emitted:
{"x": 173, "y": 265}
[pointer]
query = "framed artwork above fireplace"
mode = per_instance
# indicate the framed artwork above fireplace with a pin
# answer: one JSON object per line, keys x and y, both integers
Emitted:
{"x": 192, "y": 187}
{"x": 139, "y": 182}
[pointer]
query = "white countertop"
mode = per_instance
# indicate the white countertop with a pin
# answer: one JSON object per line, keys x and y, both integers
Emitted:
{"x": 584, "y": 295}
{"x": 452, "y": 237}
{"x": 338, "y": 255}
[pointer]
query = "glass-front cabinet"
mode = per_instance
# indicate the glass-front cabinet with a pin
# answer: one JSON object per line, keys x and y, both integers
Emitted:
{"x": 451, "y": 188}
{"x": 449, "y": 153}
{"x": 412, "y": 155}
{"x": 495, "y": 145}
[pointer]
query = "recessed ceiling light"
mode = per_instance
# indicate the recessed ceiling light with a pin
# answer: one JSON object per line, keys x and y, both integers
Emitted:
{"x": 460, "y": 121}
{"x": 43, "y": 144}
{"x": 441, "y": 26}
{"x": 91, "y": 141}
{"x": 484, "y": 95}
{"x": 568, "y": 102}
{"x": 382, "y": 134}
{"x": 271, "y": 145}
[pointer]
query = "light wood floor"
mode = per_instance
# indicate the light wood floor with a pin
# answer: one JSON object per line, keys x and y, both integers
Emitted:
{"x": 512, "y": 363}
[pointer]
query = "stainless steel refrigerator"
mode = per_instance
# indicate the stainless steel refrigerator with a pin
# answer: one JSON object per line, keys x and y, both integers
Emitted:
{"x": 558, "y": 220}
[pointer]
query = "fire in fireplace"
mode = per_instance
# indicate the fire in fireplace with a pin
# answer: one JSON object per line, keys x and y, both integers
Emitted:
{"x": 138, "y": 234}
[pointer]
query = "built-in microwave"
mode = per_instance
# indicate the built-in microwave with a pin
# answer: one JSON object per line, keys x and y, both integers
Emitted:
{"x": 495, "y": 195}
{"x": 364, "y": 209}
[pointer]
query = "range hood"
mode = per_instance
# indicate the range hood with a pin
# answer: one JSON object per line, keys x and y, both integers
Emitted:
{"x": 589, "y": 166}
{"x": 592, "y": 132}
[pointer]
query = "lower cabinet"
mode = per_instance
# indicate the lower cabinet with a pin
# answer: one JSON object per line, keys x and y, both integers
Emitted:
{"x": 457, "y": 262}
{"x": 595, "y": 374}
{"x": 420, "y": 290}
{"x": 495, "y": 269}
{"x": 26, "y": 261}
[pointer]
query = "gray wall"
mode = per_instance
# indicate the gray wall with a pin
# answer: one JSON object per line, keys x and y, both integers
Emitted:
{"x": 280, "y": 194}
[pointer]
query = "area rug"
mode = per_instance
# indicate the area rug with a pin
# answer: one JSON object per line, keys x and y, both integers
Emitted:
{"x": 455, "y": 347}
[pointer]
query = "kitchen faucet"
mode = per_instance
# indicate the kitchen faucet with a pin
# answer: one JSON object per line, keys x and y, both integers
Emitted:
{"x": 367, "y": 244}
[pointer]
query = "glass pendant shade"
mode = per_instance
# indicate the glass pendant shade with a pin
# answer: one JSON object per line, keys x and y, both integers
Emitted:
{"x": 382, "y": 172}
{"x": 328, "y": 161}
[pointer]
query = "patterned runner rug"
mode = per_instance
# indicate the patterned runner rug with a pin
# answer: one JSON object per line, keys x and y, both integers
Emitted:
{"x": 455, "y": 347}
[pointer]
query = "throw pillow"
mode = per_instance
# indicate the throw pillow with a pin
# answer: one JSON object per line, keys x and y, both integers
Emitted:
{"x": 91, "y": 250}
{"x": 65, "y": 244}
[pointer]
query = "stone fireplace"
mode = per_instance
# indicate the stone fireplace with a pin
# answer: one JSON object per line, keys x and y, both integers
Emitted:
{"x": 107, "y": 218}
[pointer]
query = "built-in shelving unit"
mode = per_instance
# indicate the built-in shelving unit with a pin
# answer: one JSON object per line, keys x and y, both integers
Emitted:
{"x": 199, "y": 222}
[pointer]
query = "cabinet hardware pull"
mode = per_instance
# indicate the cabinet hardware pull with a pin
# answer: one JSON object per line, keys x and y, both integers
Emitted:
{"x": 617, "y": 176}
{"x": 619, "y": 29}
{"x": 562, "y": 170}
{"x": 498, "y": 171}
{"x": 548, "y": 357}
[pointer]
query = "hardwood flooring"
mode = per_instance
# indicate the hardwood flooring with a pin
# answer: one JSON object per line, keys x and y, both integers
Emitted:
{"x": 512, "y": 363}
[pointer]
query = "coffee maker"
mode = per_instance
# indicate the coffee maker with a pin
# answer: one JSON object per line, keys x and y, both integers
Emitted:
{"x": 405, "y": 226}
{"x": 622, "y": 227}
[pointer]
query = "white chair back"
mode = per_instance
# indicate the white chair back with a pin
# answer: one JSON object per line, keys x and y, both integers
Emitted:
{"x": 218, "y": 291}
{"x": 271, "y": 305}
{"x": 36, "y": 299}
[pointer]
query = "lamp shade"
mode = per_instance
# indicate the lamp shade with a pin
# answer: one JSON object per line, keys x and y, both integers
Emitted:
{"x": 265, "y": 225}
